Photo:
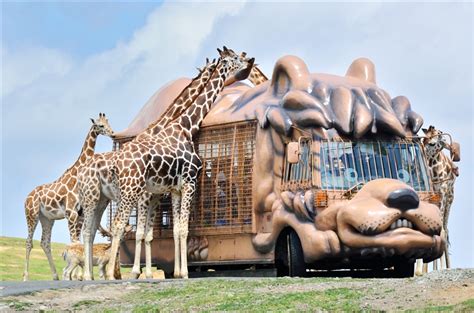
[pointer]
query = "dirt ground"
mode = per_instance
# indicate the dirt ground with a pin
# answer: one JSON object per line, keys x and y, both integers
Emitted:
{"x": 434, "y": 290}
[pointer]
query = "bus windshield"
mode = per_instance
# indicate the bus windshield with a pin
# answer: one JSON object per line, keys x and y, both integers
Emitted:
{"x": 345, "y": 164}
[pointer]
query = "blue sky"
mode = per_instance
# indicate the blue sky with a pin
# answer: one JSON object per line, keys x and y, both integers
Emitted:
{"x": 65, "y": 62}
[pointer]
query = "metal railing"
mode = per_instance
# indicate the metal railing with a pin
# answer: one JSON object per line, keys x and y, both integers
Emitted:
{"x": 345, "y": 164}
{"x": 299, "y": 175}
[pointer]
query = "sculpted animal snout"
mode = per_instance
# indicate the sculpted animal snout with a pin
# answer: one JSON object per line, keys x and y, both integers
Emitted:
{"x": 403, "y": 199}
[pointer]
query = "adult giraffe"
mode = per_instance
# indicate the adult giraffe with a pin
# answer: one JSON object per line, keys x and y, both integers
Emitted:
{"x": 58, "y": 200}
{"x": 443, "y": 173}
{"x": 164, "y": 162}
{"x": 146, "y": 212}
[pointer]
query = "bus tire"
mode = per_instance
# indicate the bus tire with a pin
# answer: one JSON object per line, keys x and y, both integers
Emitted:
{"x": 289, "y": 258}
{"x": 296, "y": 264}
{"x": 404, "y": 269}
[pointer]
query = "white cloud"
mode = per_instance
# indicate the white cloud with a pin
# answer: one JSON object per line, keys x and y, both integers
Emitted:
{"x": 28, "y": 65}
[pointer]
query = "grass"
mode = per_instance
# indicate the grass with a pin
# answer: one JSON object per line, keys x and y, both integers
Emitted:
{"x": 19, "y": 305}
{"x": 466, "y": 306}
{"x": 12, "y": 251}
{"x": 12, "y": 260}
{"x": 85, "y": 303}
{"x": 247, "y": 296}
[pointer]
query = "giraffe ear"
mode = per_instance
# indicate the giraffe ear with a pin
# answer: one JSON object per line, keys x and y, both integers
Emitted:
{"x": 424, "y": 130}
{"x": 220, "y": 51}
{"x": 92, "y": 120}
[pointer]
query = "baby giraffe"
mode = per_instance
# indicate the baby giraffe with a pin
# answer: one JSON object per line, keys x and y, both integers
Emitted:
{"x": 74, "y": 257}
{"x": 59, "y": 199}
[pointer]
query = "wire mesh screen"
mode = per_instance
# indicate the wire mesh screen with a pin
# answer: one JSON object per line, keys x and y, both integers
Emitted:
{"x": 223, "y": 199}
{"x": 224, "y": 195}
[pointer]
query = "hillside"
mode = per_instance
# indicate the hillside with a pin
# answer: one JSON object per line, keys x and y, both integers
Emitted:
{"x": 12, "y": 251}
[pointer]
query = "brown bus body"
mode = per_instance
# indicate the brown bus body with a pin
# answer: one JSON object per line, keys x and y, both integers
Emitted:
{"x": 224, "y": 223}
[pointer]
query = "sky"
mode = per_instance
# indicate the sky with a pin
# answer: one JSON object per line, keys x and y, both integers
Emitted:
{"x": 65, "y": 62}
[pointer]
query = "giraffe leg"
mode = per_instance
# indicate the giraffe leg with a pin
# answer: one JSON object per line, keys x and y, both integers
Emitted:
{"x": 74, "y": 221}
{"x": 120, "y": 221}
{"x": 47, "y": 226}
{"x": 68, "y": 270}
{"x": 176, "y": 202}
{"x": 78, "y": 273}
{"x": 446, "y": 251}
{"x": 151, "y": 217}
{"x": 419, "y": 267}
{"x": 88, "y": 234}
{"x": 101, "y": 271}
{"x": 425, "y": 268}
{"x": 32, "y": 220}
{"x": 186, "y": 200}
{"x": 140, "y": 235}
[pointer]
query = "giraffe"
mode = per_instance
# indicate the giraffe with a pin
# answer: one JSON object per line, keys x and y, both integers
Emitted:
{"x": 146, "y": 213}
{"x": 58, "y": 200}
{"x": 256, "y": 76}
{"x": 169, "y": 153}
{"x": 443, "y": 173}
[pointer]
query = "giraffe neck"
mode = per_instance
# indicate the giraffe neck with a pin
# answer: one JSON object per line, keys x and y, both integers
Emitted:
{"x": 192, "y": 118}
{"x": 88, "y": 148}
{"x": 256, "y": 76}
{"x": 181, "y": 103}
{"x": 439, "y": 165}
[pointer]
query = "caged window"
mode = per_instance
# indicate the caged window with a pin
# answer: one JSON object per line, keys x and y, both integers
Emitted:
{"x": 345, "y": 164}
{"x": 300, "y": 174}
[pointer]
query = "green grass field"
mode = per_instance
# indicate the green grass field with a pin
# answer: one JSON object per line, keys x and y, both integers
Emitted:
{"x": 12, "y": 251}
{"x": 12, "y": 261}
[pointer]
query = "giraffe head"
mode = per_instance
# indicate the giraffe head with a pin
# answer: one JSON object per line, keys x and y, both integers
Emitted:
{"x": 101, "y": 126}
{"x": 239, "y": 66}
{"x": 435, "y": 140}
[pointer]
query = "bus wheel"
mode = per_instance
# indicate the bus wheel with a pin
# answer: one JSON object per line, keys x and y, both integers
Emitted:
{"x": 404, "y": 269}
{"x": 289, "y": 259}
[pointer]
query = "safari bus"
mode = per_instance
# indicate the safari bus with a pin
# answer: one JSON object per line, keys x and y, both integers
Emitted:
{"x": 300, "y": 199}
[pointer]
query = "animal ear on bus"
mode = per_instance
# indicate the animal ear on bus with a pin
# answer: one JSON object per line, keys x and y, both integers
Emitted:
{"x": 293, "y": 152}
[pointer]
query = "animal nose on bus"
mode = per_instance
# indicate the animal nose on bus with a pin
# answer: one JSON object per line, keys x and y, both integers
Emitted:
{"x": 403, "y": 199}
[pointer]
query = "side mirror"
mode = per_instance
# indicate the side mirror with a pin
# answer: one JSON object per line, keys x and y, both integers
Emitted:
{"x": 456, "y": 152}
{"x": 293, "y": 152}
